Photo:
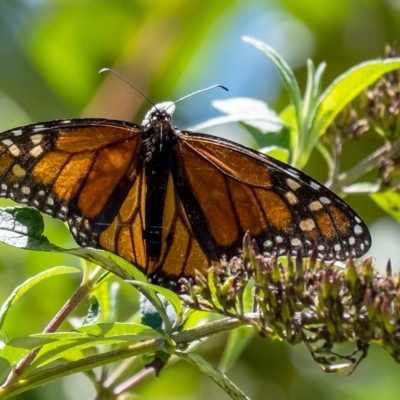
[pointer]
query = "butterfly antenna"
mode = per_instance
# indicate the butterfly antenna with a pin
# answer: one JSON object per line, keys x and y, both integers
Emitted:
{"x": 201, "y": 91}
{"x": 130, "y": 84}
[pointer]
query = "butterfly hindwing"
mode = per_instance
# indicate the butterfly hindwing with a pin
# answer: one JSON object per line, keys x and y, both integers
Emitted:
{"x": 180, "y": 252}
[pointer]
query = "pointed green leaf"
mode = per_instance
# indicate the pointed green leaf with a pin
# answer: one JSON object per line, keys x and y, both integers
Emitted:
{"x": 284, "y": 70}
{"x": 265, "y": 123}
{"x": 237, "y": 341}
{"x": 20, "y": 290}
{"x": 389, "y": 201}
{"x": 125, "y": 331}
{"x": 344, "y": 89}
{"x": 217, "y": 376}
{"x": 109, "y": 261}
{"x": 108, "y": 293}
{"x": 93, "y": 312}
{"x": 92, "y": 335}
{"x": 55, "y": 345}
{"x": 276, "y": 152}
{"x": 23, "y": 227}
{"x": 159, "y": 307}
{"x": 310, "y": 104}
{"x": 15, "y": 350}
{"x": 172, "y": 297}
{"x": 255, "y": 113}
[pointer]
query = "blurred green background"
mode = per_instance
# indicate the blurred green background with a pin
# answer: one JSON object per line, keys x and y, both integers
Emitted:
{"x": 51, "y": 52}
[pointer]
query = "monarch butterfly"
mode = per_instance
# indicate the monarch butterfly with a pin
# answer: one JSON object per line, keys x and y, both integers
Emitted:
{"x": 171, "y": 201}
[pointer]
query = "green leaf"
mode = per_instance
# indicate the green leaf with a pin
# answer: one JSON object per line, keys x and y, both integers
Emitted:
{"x": 125, "y": 331}
{"x": 288, "y": 116}
{"x": 125, "y": 270}
{"x": 172, "y": 297}
{"x": 93, "y": 312}
{"x": 284, "y": 70}
{"x": 109, "y": 261}
{"x": 23, "y": 227}
{"x": 89, "y": 336}
{"x": 214, "y": 288}
{"x": 237, "y": 341}
{"x": 389, "y": 201}
{"x": 20, "y": 290}
{"x": 276, "y": 152}
{"x": 313, "y": 90}
{"x": 108, "y": 294}
{"x": 55, "y": 345}
{"x": 17, "y": 349}
{"x": 159, "y": 308}
{"x": 310, "y": 104}
{"x": 217, "y": 376}
{"x": 28, "y": 223}
{"x": 344, "y": 89}
{"x": 152, "y": 316}
{"x": 252, "y": 112}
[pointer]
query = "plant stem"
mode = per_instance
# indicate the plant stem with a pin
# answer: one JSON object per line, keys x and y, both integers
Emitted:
{"x": 366, "y": 165}
{"x": 54, "y": 324}
{"x": 133, "y": 381}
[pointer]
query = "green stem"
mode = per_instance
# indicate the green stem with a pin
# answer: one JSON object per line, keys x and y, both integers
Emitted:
{"x": 366, "y": 165}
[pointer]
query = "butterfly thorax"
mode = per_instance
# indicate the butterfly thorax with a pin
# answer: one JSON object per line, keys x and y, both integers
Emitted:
{"x": 157, "y": 133}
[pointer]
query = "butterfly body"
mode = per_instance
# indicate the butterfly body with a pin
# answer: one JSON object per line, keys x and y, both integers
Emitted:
{"x": 158, "y": 142}
{"x": 172, "y": 201}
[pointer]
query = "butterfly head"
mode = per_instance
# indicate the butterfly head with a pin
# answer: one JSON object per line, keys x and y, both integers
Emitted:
{"x": 159, "y": 112}
{"x": 157, "y": 129}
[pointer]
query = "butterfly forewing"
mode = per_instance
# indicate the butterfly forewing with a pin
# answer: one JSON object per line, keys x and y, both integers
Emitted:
{"x": 69, "y": 169}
